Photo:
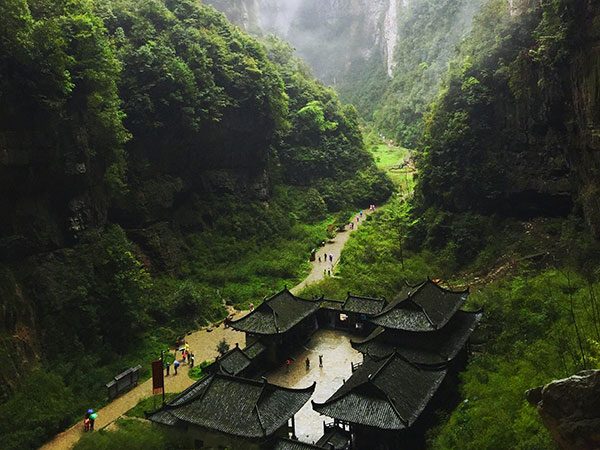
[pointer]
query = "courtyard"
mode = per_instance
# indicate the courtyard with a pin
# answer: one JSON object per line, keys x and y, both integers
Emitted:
{"x": 338, "y": 356}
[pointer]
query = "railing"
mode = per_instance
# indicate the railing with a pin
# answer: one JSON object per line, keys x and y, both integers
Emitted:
{"x": 355, "y": 366}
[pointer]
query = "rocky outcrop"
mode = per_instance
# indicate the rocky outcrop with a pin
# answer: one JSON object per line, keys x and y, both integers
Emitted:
{"x": 570, "y": 409}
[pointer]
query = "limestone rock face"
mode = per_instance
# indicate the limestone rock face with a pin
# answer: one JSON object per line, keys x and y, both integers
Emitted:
{"x": 570, "y": 409}
{"x": 333, "y": 36}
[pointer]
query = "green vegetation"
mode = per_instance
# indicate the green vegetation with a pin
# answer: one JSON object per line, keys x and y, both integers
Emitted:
{"x": 197, "y": 372}
{"x": 506, "y": 98}
{"x": 538, "y": 284}
{"x": 172, "y": 164}
{"x": 44, "y": 403}
{"x": 150, "y": 404}
{"x": 428, "y": 33}
{"x": 541, "y": 325}
{"x": 133, "y": 434}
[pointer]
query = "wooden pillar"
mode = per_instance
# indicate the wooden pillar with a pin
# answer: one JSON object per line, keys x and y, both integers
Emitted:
{"x": 294, "y": 428}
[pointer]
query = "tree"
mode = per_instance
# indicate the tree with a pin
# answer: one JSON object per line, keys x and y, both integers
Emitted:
{"x": 223, "y": 347}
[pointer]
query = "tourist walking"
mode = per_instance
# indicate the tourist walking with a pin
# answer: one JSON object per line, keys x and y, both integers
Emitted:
{"x": 175, "y": 366}
{"x": 287, "y": 365}
{"x": 86, "y": 421}
{"x": 307, "y": 364}
{"x": 93, "y": 418}
{"x": 331, "y": 257}
{"x": 168, "y": 366}
{"x": 320, "y": 360}
{"x": 192, "y": 360}
{"x": 329, "y": 272}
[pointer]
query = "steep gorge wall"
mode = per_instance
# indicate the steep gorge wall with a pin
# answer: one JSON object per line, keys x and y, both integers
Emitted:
{"x": 348, "y": 44}
{"x": 518, "y": 117}
{"x": 331, "y": 35}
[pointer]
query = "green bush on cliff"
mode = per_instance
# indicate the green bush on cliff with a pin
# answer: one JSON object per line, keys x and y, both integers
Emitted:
{"x": 133, "y": 434}
{"x": 40, "y": 409}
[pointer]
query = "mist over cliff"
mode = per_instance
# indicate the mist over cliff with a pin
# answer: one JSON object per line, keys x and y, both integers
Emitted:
{"x": 357, "y": 45}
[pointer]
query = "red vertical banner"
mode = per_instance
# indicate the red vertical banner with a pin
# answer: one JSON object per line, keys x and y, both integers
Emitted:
{"x": 158, "y": 378}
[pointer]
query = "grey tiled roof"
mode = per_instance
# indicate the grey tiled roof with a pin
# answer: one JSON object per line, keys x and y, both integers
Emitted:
{"x": 234, "y": 361}
{"x": 233, "y": 405}
{"x": 387, "y": 393}
{"x": 363, "y": 305}
{"x": 434, "y": 347}
{"x": 428, "y": 307}
{"x": 255, "y": 350}
{"x": 276, "y": 314}
{"x": 289, "y": 444}
{"x": 338, "y": 305}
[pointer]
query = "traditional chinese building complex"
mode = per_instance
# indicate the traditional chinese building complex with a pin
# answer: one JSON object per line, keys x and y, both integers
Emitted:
{"x": 412, "y": 347}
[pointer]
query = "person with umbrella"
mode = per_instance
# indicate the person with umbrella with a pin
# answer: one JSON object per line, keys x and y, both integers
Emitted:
{"x": 93, "y": 418}
{"x": 86, "y": 421}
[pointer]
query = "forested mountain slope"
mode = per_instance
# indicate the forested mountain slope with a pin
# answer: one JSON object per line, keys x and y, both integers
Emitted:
{"x": 145, "y": 146}
{"x": 384, "y": 56}
{"x": 514, "y": 129}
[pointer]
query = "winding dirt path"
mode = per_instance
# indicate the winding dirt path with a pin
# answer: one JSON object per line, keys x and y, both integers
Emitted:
{"x": 333, "y": 247}
{"x": 203, "y": 343}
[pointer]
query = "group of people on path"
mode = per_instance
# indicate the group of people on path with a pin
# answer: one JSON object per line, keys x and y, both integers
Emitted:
{"x": 328, "y": 258}
{"x": 359, "y": 216}
{"x": 187, "y": 357}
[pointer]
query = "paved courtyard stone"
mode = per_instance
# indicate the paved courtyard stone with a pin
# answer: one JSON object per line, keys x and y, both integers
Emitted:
{"x": 338, "y": 355}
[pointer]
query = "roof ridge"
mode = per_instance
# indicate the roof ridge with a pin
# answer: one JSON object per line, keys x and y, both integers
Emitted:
{"x": 371, "y": 378}
{"x": 373, "y": 335}
{"x": 260, "y": 396}
{"x": 363, "y": 296}
{"x": 275, "y": 319}
{"x": 443, "y": 289}
{"x": 260, "y": 422}
{"x": 427, "y": 316}
{"x": 392, "y": 305}
{"x": 385, "y": 363}
{"x": 400, "y": 416}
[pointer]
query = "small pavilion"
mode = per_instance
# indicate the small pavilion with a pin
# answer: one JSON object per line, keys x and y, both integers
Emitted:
{"x": 426, "y": 307}
{"x": 282, "y": 323}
